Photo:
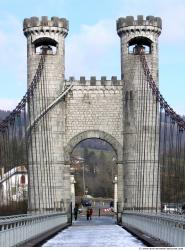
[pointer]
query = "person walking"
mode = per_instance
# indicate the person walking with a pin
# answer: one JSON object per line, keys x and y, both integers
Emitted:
{"x": 90, "y": 213}
{"x": 76, "y": 211}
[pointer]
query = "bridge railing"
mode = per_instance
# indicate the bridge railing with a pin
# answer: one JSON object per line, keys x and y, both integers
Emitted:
{"x": 16, "y": 230}
{"x": 167, "y": 228}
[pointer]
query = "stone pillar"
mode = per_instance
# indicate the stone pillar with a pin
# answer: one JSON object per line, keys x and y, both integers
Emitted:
{"x": 120, "y": 185}
{"x": 73, "y": 190}
{"x": 115, "y": 181}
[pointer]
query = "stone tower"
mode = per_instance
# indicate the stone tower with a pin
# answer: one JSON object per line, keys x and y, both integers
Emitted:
{"x": 111, "y": 110}
{"x": 136, "y": 35}
{"x": 47, "y": 37}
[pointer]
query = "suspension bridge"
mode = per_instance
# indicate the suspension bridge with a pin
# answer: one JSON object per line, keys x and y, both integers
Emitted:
{"x": 56, "y": 114}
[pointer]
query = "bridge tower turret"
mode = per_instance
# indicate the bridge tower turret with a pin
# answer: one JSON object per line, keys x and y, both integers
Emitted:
{"x": 46, "y": 170}
{"x": 141, "y": 187}
{"x": 46, "y": 37}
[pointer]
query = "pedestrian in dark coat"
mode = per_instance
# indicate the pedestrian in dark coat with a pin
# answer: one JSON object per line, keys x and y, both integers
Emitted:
{"x": 88, "y": 213}
{"x": 76, "y": 211}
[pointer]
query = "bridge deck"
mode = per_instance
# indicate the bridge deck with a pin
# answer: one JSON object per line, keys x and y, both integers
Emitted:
{"x": 99, "y": 232}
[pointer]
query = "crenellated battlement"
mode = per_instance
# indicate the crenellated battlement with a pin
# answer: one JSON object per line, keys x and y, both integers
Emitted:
{"x": 94, "y": 82}
{"x": 128, "y": 23}
{"x": 56, "y": 24}
{"x": 44, "y": 21}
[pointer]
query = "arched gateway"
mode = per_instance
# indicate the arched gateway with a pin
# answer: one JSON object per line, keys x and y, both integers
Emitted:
{"x": 117, "y": 147}
{"x": 107, "y": 109}
{"x": 90, "y": 134}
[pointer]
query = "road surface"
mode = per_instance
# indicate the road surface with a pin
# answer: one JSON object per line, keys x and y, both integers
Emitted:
{"x": 99, "y": 232}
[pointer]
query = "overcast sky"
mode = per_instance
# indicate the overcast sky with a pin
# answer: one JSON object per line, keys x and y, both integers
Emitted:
{"x": 92, "y": 45}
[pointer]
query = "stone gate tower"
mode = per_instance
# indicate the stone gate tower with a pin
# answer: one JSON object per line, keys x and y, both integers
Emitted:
{"x": 136, "y": 35}
{"x": 106, "y": 109}
{"x": 46, "y": 37}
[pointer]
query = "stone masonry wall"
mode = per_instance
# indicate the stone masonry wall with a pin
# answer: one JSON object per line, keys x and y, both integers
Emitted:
{"x": 98, "y": 108}
{"x": 94, "y": 108}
